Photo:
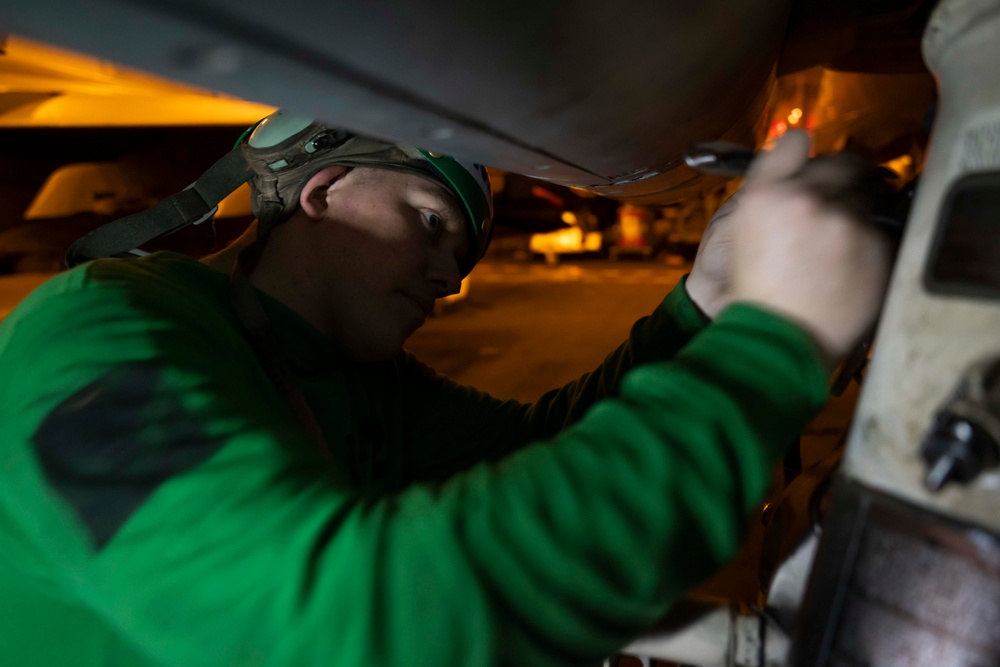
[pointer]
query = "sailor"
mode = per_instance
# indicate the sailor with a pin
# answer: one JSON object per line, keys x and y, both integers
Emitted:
{"x": 234, "y": 461}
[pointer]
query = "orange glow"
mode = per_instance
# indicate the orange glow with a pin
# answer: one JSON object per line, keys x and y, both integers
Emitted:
{"x": 780, "y": 128}
{"x": 547, "y": 195}
{"x": 900, "y": 165}
{"x": 795, "y": 116}
{"x": 633, "y": 223}
{"x": 565, "y": 241}
{"x": 463, "y": 292}
{"x": 44, "y": 86}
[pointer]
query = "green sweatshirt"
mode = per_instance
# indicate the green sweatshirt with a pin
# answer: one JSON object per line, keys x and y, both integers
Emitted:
{"x": 159, "y": 504}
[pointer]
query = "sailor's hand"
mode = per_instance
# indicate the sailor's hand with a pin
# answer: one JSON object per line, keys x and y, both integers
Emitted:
{"x": 708, "y": 285}
{"x": 801, "y": 248}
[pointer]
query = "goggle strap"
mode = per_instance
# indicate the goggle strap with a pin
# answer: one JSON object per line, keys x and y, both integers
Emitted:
{"x": 191, "y": 206}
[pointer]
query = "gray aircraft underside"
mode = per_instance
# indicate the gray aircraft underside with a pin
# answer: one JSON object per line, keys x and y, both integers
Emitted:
{"x": 601, "y": 95}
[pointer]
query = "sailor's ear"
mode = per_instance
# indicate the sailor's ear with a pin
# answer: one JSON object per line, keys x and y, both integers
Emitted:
{"x": 313, "y": 198}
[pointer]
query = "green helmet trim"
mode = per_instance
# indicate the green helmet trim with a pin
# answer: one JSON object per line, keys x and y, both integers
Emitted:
{"x": 464, "y": 184}
{"x": 247, "y": 132}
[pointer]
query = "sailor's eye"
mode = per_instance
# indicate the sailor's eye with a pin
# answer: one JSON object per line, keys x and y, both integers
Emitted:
{"x": 433, "y": 221}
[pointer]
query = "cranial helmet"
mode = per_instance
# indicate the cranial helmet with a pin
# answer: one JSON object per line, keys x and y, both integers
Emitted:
{"x": 277, "y": 157}
{"x": 284, "y": 151}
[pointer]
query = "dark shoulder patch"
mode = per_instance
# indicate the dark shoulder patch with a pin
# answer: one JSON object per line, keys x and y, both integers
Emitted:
{"x": 106, "y": 448}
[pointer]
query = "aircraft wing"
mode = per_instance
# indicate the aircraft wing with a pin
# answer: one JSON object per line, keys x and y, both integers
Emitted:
{"x": 587, "y": 93}
{"x": 42, "y": 86}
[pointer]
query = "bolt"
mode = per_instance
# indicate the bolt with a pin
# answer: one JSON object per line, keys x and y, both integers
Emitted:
{"x": 957, "y": 450}
{"x": 941, "y": 473}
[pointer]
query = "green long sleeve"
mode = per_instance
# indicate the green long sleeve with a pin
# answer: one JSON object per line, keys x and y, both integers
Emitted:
{"x": 160, "y": 506}
{"x": 482, "y": 427}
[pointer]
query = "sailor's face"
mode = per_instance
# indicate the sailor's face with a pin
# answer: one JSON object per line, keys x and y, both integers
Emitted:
{"x": 387, "y": 247}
